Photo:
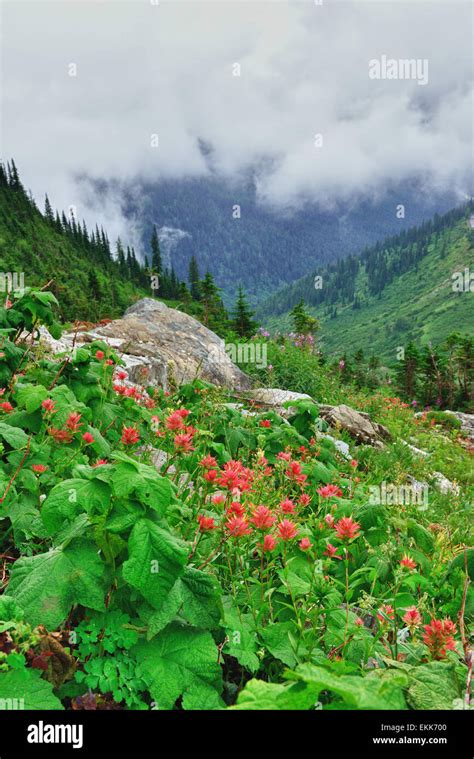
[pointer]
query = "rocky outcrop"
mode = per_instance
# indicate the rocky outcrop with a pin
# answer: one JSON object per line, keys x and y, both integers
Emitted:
{"x": 467, "y": 422}
{"x": 274, "y": 398}
{"x": 164, "y": 346}
{"x": 358, "y": 424}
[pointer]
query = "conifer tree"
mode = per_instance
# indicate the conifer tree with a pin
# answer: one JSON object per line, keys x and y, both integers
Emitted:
{"x": 193, "y": 278}
{"x": 156, "y": 262}
{"x": 242, "y": 321}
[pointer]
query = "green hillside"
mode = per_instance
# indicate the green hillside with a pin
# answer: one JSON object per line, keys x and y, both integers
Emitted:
{"x": 376, "y": 306}
{"x": 52, "y": 249}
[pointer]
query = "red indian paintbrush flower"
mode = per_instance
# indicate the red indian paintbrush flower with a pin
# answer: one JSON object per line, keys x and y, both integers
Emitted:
{"x": 328, "y": 491}
{"x": 265, "y": 423}
{"x": 60, "y": 436}
{"x": 88, "y": 437}
{"x": 438, "y": 636}
{"x": 208, "y": 462}
{"x": 236, "y": 509}
{"x": 385, "y": 611}
{"x": 347, "y": 529}
{"x": 287, "y": 506}
{"x": 73, "y": 421}
{"x": 305, "y": 544}
{"x": 174, "y": 421}
{"x": 287, "y": 530}
{"x": 206, "y": 523}
{"x": 130, "y": 436}
{"x": 184, "y": 442}
{"x": 48, "y": 406}
{"x": 263, "y": 518}
{"x": 412, "y": 617}
{"x": 99, "y": 355}
{"x": 238, "y": 526}
{"x": 408, "y": 562}
{"x": 39, "y": 468}
{"x": 269, "y": 543}
{"x": 6, "y": 406}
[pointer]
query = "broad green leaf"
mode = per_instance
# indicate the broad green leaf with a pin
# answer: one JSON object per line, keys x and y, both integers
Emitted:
{"x": 242, "y": 643}
{"x": 433, "y": 686}
{"x": 13, "y": 435}
{"x": 47, "y": 585}
{"x": 181, "y": 661}
{"x": 28, "y": 687}
{"x": 156, "y": 560}
{"x": 30, "y": 397}
{"x": 70, "y": 497}
{"x": 278, "y": 637}
{"x": 262, "y": 696}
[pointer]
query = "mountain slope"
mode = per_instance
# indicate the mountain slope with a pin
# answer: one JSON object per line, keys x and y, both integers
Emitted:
{"x": 393, "y": 293}
{"x": 78, "y": 265}
{"x": 266, "y": 247}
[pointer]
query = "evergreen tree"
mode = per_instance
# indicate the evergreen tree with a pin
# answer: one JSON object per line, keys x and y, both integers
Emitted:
{"x": 156, "y": 262}
{"x": 242, "y": 321}
{"x": 193, "y": 279}
{"x": 48, "y": 211}
{"x": 304, "y": 324}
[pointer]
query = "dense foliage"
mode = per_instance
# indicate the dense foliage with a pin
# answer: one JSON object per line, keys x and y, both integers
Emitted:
{"x": 178, "y": 551}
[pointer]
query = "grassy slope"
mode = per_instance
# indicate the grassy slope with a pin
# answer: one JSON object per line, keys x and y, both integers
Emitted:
{"x": 418, "y": 305}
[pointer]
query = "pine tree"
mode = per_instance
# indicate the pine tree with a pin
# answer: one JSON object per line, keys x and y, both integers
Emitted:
{"x": 304, "y": 324}
{"x": 193, "y": 278}
{"x": 48, "y": 211}
{"x": 242, "y": 321}
{"x": 156, "y": 262}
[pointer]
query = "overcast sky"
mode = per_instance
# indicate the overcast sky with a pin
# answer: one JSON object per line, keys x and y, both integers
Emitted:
{"x": 167, "y": 69}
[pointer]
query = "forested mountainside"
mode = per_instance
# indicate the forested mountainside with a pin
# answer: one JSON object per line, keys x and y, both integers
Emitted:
{"x": 411, "y": 287}
{"x": 78, "y": 263}
{"x": 260, "y": 247}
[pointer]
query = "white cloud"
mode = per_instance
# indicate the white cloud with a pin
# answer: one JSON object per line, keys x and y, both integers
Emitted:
{"x": 167, "y": 69}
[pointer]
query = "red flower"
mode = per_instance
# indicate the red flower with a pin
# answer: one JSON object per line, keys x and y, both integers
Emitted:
{"x": 408, "y": 562}
{"x": 235, "y": 476}
{"x": 100, "y": 462}
{"x": 269, "y": 543}
{"x": 109, "y": 362}
{"x": 60, "y": 436}
{"x": 305, "y": 544}
{"x": 263, "y": 518}
{"x": 217, "y": 499}
{"x": 354, "y": 463}
{"x": 287, "y": 506}
{"x": 331, "y": 552}
{"x": 347, "y": 529}
{"x": 208, "y": 462}
{"x": 236, "y": 509}
{"x": 412, "y": 617}
{"x": 211, "y": 475}
{"x": 121, "y": 375}
{"x": 48, "y": 406}
{"x": 206, "y": 523}
{"x": 88, "y": 437}
{"x": 40, "y": 468}
{"x": 385, "y": 611}
{"x": 329, "y": 519}
{"x": 99, "y": 355}
{"x": 184, "y": 442}
{"x": 238, "y": 526}
{"x": 72, "y": 422}
{"x": 6, "y": 406}
{"x": 174, "y": 421}
{"x": 130, "y": 436}
{"x": 329, "y": 490}
{"x": 304, "y": 499}
{"x": 438, "y": 636}
{"x": 265, "y": 423}
{"x": 287, "y": 529}
{"x": 284, "y": 456}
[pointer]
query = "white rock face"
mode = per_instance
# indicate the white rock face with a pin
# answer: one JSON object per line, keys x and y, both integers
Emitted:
{"x": 165, "y": 345}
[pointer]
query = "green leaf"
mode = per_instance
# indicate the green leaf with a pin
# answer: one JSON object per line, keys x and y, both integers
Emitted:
{"x": 370, "y": 692}
{"x": 28, "y": 685}
{"x": 242, "y": 643}
{"x": 433, "y": 686}
{"x": 277, "y": 639}
{"x": 13, "y": 435}
{"x": 67, "y": 499}
{"x": 30, "y": 397}
{"x": 181, "y": 661}
{"x": 156, "y": 559}
{"x": 423, "y": 537}
{"x": 47, "y": 585}
{"x": 262, "y": 696}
